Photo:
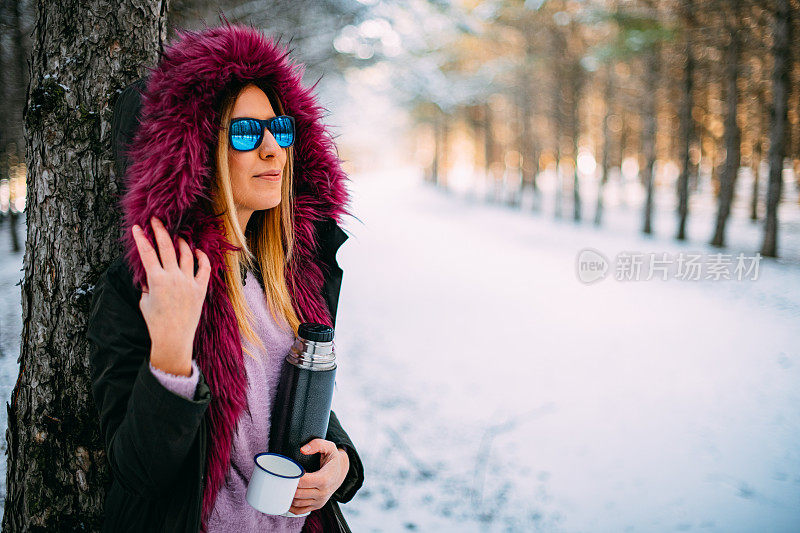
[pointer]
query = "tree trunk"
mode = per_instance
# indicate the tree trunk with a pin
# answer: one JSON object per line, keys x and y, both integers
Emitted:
{"x": 777, "y": 148}
{"x": 649, "y": 135}
{"x": 530, "y": 148}
{"x": 84, "y": 53}
{"x": 20, "y": 77}
{"x": 605, "y": 161}
{"x": 13, "y": 227}
{"x": 756, "y": 169}
{"x": 489, "y": 150}
{"x": 575, "y": 119}
{"x": 437, "y": 150}
{"x": 20, "y": 52}
{"x": 686, "y": 125}
{"x": 528, "y": 144}
{"x": 732, "y": 135}
{"x": 443, "y": 149}
{"x": 624, "y": 139}
{"x": 557, "y": 115}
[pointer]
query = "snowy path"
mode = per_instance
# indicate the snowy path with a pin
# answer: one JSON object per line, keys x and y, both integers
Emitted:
{"x": 487, "y": 389}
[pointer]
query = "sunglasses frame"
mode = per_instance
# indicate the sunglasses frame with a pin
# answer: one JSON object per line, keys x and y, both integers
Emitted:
{"x": 266, "y": 124}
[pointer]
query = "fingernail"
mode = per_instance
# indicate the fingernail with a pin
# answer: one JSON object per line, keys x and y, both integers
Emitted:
{"x": 136, "y": 228}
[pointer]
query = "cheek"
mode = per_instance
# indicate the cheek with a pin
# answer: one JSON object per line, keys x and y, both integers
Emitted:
{"x": 238, "y": 170}
{"x": 235, "y": 164}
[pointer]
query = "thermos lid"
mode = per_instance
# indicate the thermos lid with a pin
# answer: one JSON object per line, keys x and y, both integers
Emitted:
{"x": 315, "y": 332}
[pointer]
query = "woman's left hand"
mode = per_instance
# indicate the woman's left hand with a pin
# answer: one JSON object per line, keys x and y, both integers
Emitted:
{"x": 315, "y": 488}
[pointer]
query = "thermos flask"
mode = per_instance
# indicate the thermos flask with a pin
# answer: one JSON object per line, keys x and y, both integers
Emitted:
{"x": 305, "y": 391}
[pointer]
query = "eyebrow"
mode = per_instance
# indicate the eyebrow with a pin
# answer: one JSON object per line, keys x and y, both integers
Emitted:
{"x": 250, "y": 116}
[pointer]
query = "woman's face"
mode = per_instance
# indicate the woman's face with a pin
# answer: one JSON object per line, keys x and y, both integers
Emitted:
{"x": 256, "y": 175}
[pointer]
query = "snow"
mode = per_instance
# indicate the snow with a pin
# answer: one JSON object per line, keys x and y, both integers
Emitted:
{"x": 10, "y": 331}
{"x": 487, "y": 389}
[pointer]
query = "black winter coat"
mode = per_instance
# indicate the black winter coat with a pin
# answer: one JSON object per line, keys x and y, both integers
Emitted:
{"x": 156, "y": 441}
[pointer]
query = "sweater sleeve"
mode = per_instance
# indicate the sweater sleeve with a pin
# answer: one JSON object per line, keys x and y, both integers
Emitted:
{"x": 148, "y": 430}
{"x": 182, "y": 385}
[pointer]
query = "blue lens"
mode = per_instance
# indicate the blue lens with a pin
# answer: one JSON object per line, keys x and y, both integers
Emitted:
{"x": 282, "y": 129}
{"x": 246, "y": 134}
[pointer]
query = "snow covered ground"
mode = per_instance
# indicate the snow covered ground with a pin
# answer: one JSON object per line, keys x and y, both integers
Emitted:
{"x": 10, "y": 332}
{"x": 488, "y": 389}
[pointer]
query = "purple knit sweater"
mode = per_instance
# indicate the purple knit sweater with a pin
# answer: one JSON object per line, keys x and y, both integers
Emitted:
{"x": 231, "y": 510}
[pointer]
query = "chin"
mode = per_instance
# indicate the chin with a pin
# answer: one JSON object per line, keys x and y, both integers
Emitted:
{"x": 263, "y": 206}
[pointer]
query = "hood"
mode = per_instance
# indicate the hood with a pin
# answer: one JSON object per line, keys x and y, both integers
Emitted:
{"x": 168, "y": 166}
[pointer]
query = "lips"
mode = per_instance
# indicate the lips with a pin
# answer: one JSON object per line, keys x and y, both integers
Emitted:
{"x": 272, "y": 175}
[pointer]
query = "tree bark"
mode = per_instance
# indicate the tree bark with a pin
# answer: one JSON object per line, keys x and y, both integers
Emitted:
{"x": 84, "y": 53}
{"x": 781, "y": 36}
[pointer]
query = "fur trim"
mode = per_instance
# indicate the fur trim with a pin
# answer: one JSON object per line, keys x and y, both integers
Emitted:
{"x": 171, "y": 165}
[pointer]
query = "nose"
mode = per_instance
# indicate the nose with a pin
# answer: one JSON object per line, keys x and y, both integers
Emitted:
{"x": 269, "y": 146}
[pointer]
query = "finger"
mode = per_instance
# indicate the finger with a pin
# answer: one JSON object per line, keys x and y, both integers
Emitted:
{"x": 307, "y": 494}
{"x": 166, "y": 250}
{"x": 318, "y": 446}
{"x": 318, "y": 480}
{"x": 302, "y": 510}
{"x": 187, "y": 260}
{"x": 146, "y": 252}
{"x": 203, "y": 268}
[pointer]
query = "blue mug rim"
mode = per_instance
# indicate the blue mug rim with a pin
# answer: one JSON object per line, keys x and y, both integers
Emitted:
{"x": 255, "y": 460}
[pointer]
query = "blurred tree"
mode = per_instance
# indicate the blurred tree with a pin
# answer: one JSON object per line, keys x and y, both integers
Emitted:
{"x": 686, "y": 9}
{"x": 679, "y": 85}
{"x": 732, "y": 12}
{"x": 608, "y": 99}
{"x": 310, "y": 27}
{"x": 14, "y": 15}
{"x": 84, "y": 53}
{"x": 781, "y": 37}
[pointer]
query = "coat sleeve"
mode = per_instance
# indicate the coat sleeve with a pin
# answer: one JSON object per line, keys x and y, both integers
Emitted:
{"x": 148, "y": 430}
{"x": 355, "y": 475}
{"x": 330, "y": 238}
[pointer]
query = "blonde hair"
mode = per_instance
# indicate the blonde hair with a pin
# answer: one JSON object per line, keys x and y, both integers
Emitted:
{"x": 270, "y": 241}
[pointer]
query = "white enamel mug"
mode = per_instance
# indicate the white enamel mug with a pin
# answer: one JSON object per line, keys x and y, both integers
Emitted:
{"x": 274, "y": 483}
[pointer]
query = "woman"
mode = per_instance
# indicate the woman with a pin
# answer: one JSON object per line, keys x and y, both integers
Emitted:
{"x": 185, "y": 355}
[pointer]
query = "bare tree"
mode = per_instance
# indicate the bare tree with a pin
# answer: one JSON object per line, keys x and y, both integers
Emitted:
{"x": 781, "y": 36}
{"x": 606, "y": 157}
{"x": 686, "y": 121}
{"x": 649, "y": 108}
{"x": 732, "y": 136}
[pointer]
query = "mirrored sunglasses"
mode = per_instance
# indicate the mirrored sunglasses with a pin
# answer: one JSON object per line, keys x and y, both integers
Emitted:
{"x": 247, "y": 133}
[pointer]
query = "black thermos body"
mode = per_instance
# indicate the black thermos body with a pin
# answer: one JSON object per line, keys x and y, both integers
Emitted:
{"x": 305, "y": 391}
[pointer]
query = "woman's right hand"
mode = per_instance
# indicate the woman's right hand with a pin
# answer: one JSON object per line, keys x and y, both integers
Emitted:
{"x": 172, "y": 300}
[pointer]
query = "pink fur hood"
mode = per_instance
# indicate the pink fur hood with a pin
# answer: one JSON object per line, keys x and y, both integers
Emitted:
{"x": 171, "y": 165}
